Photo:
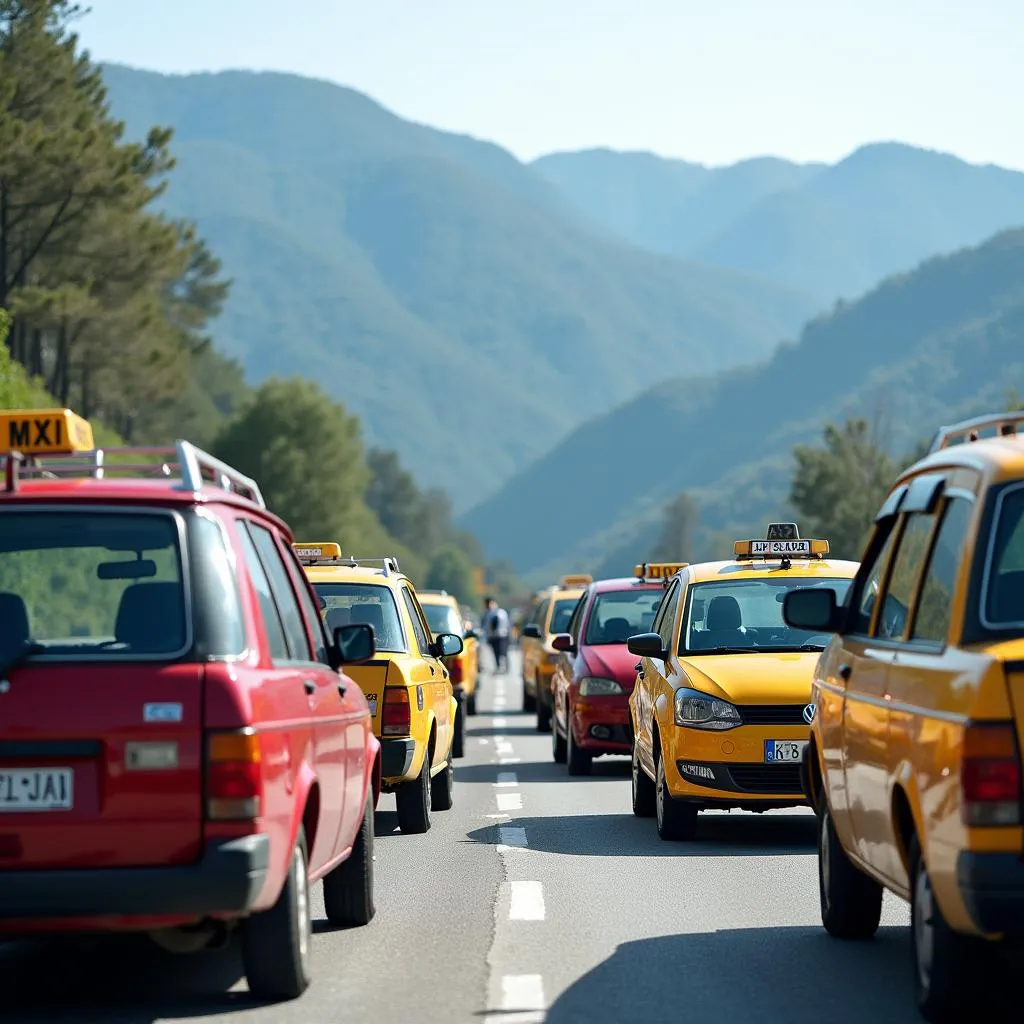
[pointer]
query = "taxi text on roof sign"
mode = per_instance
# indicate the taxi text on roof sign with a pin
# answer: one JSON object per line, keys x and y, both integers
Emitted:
{"x": 577, "y": 580}
{"x": 44, "y": 432}
{"x": 316, "y": 551}
{"x": 783, "y": 541}
{"x": 658, "y": 570}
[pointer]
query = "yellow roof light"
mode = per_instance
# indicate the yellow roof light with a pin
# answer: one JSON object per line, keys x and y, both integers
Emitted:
{"x": 783, "y": 541}
{"x": 578, "y": 580}
{"x": 658, "y": 570}
{"x": 317, "y": 551}
{"x": 44, "y": 432}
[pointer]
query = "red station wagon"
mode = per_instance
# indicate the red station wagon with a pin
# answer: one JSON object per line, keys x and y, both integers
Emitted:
{"x": 179, "y": 753}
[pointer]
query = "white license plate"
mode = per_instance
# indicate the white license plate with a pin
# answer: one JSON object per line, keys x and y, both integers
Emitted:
{"x": 36, "y": 789}
{"x": 785, "y": 751}
{"x": 371, "y": 699}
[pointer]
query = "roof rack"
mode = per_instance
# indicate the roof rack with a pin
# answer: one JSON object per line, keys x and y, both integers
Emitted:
{"x": 195, "y": 468}
{"x": 1001, "y": 424}
{"x": 389, "y": 562}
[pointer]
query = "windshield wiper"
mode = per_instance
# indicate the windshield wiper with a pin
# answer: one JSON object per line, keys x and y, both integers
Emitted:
{"x": 29, "y": 650}
{"x": 726, "y": 650}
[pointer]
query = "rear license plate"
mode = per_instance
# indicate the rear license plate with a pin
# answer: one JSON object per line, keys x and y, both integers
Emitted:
{"x": 371, "y": 699}
{"x": 783, "y": 751}
{"x": 36, "y": 789}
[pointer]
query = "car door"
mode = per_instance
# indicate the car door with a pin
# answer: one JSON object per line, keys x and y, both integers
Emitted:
{"x": 437, "y": 688}
{"x": 651, "y": 676}
{"x": 566, "y": 663}
{"x": 322, "y": 687}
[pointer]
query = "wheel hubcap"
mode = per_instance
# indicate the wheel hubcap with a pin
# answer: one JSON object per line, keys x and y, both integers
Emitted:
{"x": 924, "y": 926}
{"x": 302, "y": 904}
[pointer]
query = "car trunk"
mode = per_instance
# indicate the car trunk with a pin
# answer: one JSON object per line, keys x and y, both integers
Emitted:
{"x": 370, "y": 677}
{"x": 100, "y": 765}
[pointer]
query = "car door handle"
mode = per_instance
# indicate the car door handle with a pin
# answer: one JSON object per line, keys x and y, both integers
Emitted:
{"x": 310, "y": 686}
{"x": 845, "y": 671}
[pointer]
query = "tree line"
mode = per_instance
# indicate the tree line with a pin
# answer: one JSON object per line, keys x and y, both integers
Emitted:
{"x": 110, "y": 304}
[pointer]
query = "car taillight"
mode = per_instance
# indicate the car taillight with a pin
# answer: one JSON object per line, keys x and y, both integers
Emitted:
{"x": 455, "y": 670}
{"x": 990, "y": 775}
{"x": 396, "y": 718}
{"x": 234, "y": 777}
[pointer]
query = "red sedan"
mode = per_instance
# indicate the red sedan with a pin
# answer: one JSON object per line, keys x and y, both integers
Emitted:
{"x": 594, "y": 672}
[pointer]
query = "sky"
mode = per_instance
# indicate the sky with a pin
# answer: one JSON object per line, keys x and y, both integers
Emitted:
{"x": 712, "y": 81}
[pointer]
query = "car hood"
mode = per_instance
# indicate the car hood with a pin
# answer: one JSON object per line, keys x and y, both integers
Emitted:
{"x": 612, "y": 661}
{"x": 753, "y": 678}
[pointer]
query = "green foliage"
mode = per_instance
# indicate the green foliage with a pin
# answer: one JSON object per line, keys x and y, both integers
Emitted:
{"x": 450, "y": 569}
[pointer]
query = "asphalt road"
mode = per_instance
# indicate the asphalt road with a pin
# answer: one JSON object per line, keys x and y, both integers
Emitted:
{"x": 536, "y": 898}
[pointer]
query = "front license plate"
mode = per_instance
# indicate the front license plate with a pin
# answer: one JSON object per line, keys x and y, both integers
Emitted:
{"x": 36, "y": 789}
{"x": 785, "y": 751}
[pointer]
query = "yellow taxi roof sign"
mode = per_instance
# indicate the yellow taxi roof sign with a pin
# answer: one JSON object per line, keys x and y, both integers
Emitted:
{"x": 581, "y": 579}
{"x": 783, "y": 540}
{"x": 658, "y": 570}
{"x": 317, "y": 551}
{"x": 44, "y": 432}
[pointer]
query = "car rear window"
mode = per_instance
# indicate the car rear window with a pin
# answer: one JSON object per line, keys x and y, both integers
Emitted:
{"x": 561, "y": 613}
{"x": 442, "y": 618}
{"x": 368, "y": 603}
{"x": 82, "y": 583}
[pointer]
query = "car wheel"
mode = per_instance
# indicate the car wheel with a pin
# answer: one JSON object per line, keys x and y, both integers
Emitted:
{"x": 580, "y": 761}
{"x": 276, "y": 942}
{"x": 558, "y": 748}
{"x": 471, "y": 704}
{"x": 442, "y": 788}
{"x": 543, "y": 715}
{"x": 677, "y": 820}
{"x": 348, "y": 889}
{"x": 949, "y": 968}
{"x": 459, "y": 739}
{"x": 412, "y": 801}
{"x": 851, "y": 902}
{"x": 529, "y": 699}
{"x": 644, "y": 795}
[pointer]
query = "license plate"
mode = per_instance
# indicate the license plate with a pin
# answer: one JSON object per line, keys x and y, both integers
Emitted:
{"x": 371, "y": 699}
{"x": 36, "y": 789}
{"x": 786, "y": 751}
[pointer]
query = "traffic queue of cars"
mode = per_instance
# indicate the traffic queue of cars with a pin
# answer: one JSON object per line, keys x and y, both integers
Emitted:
{"x": 198, "y": 713}
{"x": 888, "y": 694}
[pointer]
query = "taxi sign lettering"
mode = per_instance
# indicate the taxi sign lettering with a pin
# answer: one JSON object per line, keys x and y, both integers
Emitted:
{"x": 780, "y": 547}
{"x": 44, "y": 432}
{"x": 317, "y": 550}
{"x": 658, "y": 570}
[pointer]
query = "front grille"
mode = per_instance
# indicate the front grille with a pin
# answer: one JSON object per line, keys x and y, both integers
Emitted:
{"x": 772, "y": 714}
{"x": 756, "y": 778}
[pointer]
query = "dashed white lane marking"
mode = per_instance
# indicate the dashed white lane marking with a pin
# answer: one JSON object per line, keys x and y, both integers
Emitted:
{"x": 502, "y": 747}
{"x": 509, "y": 801}
{"x": 507, "y": 779}
{"x": 500, "y": 704}
{"x": 512, "y": 838}
{"x": 500, "y": 723}
{"x": 510, "y": 760}
{"x": 526, "y": 902}
{"x": 493, "y": 816}
{"x": 521, "y": 999}
{"x": 483, "y": 740}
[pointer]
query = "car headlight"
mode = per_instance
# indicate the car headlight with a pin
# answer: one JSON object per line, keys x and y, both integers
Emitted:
{"x": 592, "y": 686}
{"x": 697, "y": 710}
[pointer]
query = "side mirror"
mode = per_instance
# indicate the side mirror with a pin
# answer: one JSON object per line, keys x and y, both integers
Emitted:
{"x": 532, "y": 630}
{"x": 354, "y": 643}
{"x": 647, "y": 645}
{"x": 447, "y": 645}
{"x": 563, "y": 642}
{"x": 813, "y": 609}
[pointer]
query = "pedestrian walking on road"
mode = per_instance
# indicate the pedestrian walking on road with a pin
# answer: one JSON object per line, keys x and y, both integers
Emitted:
{"x": 496, "y": 629}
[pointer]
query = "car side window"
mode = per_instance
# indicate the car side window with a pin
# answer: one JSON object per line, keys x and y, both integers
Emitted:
{"x": 310, "y": 612}
{"x": 573, "y": 629}
{"x": 868, "y": 592}
{"x": 284, "y": 594}
{"x": 268, "y": 608}
{"x": 908, "y": 563}
{"x": 934, "y": 607}
{"x": 418, "y": 625}
{"x": 667, "y": 614}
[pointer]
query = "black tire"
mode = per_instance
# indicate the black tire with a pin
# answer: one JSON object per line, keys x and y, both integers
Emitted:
{"x": 276, "y": 943}
{"x": 459, "y": 739}
{"x": 348, "y": 889}
{"x": 558, "y": 747}
{"x": 543, "y": 715}
{"x": 644, "y": 794}
{"x": 949, "y": 968}
{"x": 851, "y": 903}
{"x": 529, "y": 700}
{"x": 471, "y": 704}
{"x": 412, "y": 801}
{"x": 581, "y": 762}
{"x": 442, "y": 788}
{"x": 677, "y": 819}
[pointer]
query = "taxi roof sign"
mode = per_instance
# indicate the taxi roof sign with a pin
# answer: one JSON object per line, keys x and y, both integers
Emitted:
{"x": 783, "y": 541}
{"x": 317, "y": 551}
{"x": 581, "y": 579}
{"x": 657, "y": 570}
{"x": 44, "y": 432}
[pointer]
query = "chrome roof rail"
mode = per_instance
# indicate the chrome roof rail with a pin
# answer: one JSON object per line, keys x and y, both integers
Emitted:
{"x": 1001, "y": 424}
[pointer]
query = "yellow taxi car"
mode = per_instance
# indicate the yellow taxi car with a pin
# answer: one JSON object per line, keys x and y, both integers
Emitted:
{"x": 406, "y": 684}
{"x": 444, "y": 615}
{"x": 547, "y": 617}
{"x": 721, "y": 707}
{"x": 914, "y": 762}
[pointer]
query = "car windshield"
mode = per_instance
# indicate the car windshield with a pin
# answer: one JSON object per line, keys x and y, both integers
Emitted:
{"x": 368, "y": 603}
{"x": 1004, "y": 600}
{"x": 78, "y": 583}
{"x": 732, "y": 616}
{"x": 617, "y": 615}
{"x": 561, "y": 613}
{"x": 442, "y": 618}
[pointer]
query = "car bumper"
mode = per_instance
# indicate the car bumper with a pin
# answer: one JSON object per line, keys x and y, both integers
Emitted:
{"x": 227, "y": 880}
{"x": 396, "y": 757}
{"x": 602, "y": 724}
{"x": 992, "y": 887}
